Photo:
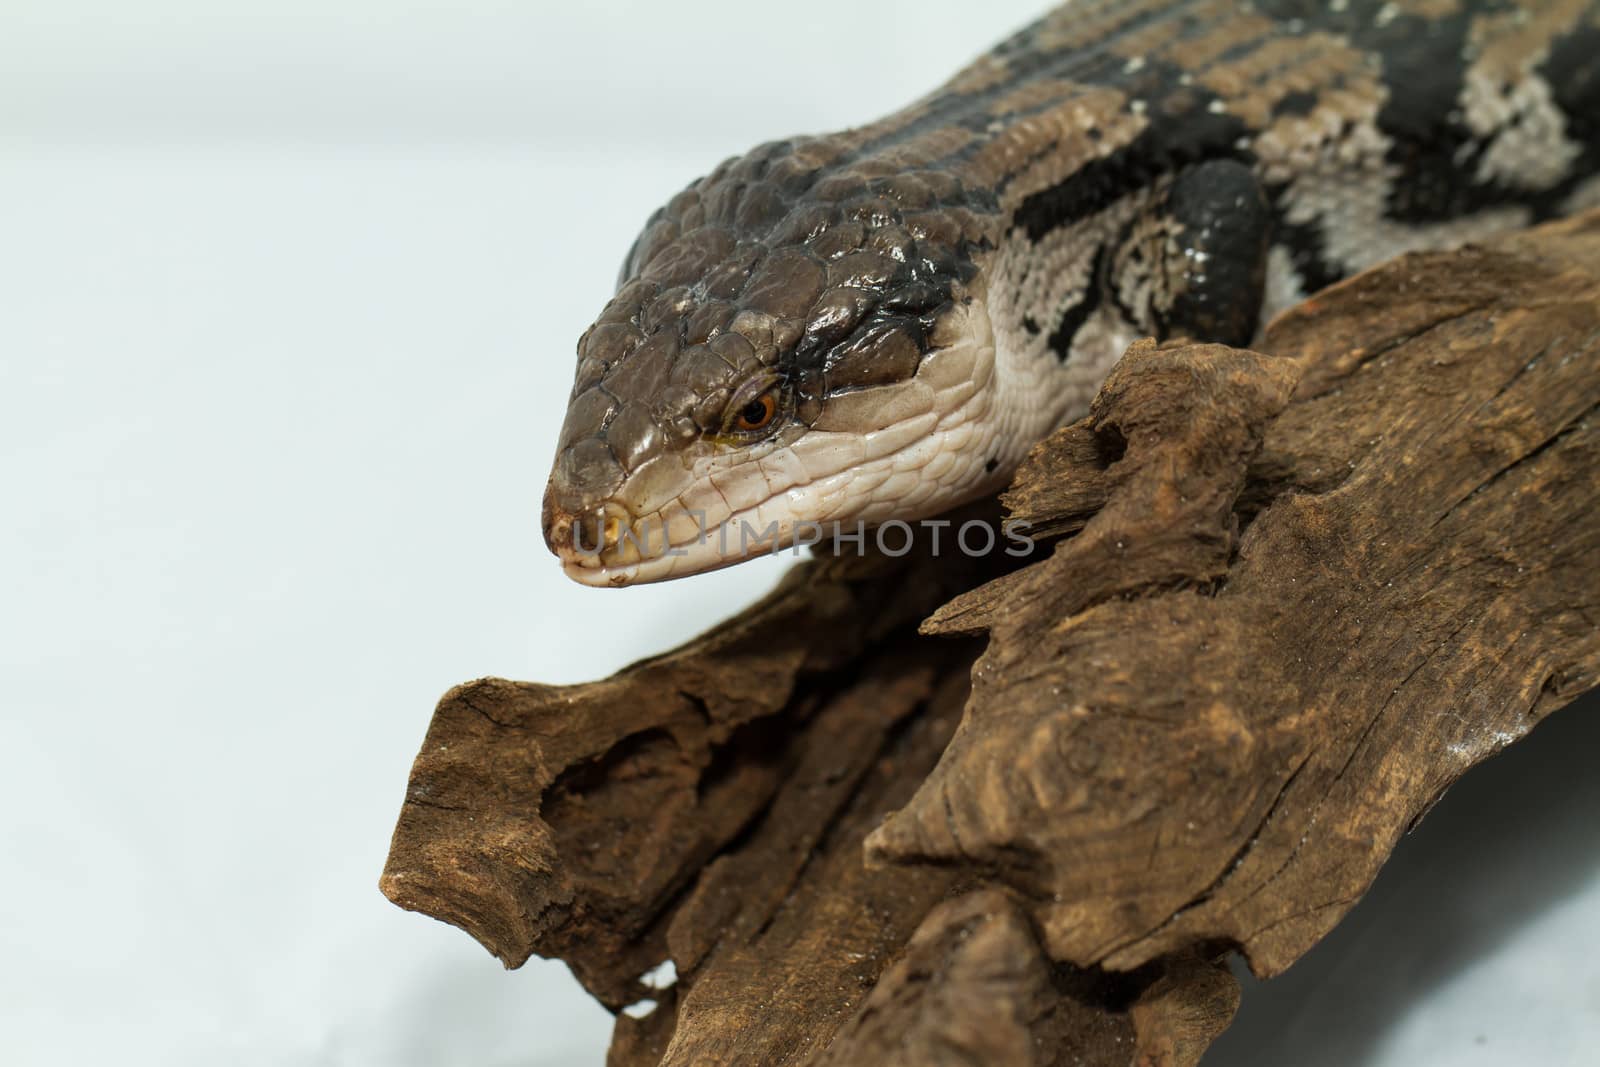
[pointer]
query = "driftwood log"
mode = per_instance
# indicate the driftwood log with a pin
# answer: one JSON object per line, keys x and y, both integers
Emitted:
{"x": 941, "y": 810}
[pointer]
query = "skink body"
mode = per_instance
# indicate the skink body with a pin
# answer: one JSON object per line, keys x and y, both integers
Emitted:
{"x": 879, "y": 323}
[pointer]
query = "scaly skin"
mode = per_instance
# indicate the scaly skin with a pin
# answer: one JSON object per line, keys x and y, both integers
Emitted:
{"x": 880, "y": 323}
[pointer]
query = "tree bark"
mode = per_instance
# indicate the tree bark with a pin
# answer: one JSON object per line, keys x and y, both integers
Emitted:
{"x": 944, "y": 810}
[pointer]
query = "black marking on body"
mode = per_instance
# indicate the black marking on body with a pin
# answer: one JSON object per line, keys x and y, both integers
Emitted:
{"x": 1424, "y": 64}
{"x": 1297, "y": 103}
{"x": 1369, "y": 24}
{"x": 1183, "y": 129}
{"x": 1073, "y": 318}
{"x": 1224, "y": 225}
{"x": 1304, "y": 244}
{"x": 1572, "y": 70}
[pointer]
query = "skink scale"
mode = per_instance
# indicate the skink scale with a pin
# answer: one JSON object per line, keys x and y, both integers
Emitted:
{"x": 880, "y": 323}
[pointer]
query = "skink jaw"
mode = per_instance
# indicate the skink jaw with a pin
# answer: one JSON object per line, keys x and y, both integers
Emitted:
{"x": 589, "y": 538}
{"x": 599, "y": 575}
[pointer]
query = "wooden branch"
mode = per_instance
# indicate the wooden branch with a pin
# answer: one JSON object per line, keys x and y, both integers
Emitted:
{"x": 1293, "y": 595}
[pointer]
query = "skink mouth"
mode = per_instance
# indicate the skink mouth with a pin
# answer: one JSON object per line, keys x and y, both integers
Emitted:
{"x": 592, "y": 543}
{"x": 607, "y": 547}
{"x": 599, "y": 575}
{"x": 624, "y": 565}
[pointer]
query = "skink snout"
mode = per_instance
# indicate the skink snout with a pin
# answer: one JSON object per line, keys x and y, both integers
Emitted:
{"x": 588, "y": 537}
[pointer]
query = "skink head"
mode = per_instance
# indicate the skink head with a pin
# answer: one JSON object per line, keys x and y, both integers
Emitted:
{"x": 792, "y": 343}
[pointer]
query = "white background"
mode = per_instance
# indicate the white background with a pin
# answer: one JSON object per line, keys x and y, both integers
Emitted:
{"x": 288, "y": 299}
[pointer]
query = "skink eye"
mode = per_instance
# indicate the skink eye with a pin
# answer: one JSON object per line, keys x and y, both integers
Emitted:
{"x": 756, "y": 415}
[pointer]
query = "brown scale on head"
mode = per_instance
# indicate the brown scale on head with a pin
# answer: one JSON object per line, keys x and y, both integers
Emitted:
{"x": 750, "y": 304}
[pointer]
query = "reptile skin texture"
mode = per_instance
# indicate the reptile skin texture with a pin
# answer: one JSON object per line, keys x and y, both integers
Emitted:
{"x": 879, "y": 323}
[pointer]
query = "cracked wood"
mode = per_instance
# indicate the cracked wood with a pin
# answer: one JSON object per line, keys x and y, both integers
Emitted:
{"x": 1291, "y": 596}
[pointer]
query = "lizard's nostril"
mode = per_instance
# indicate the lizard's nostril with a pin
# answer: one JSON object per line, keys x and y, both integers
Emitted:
{"x": 590, "y": 533}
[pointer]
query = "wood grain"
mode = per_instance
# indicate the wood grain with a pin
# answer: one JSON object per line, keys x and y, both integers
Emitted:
{"x": 937, "y": 810}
